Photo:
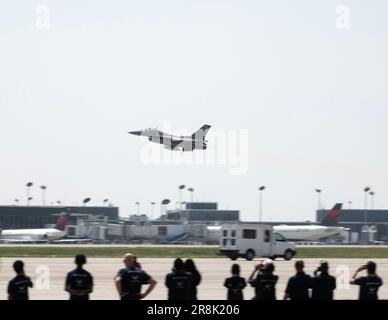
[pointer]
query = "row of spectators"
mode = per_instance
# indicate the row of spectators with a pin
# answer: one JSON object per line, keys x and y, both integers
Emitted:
{"x": 183, "y": 280}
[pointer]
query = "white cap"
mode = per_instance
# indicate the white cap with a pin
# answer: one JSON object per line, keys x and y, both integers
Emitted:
{"x": 266, "y": 262}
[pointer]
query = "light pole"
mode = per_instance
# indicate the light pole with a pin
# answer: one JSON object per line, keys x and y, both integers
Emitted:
{"x": 319, "y": 192}
{"x": 372, "y": 198}
{"x": 86, "y": 200}
{"x": 181, "y": 187}
{"x": 138, "y": 208}
{"x": 164, "y": 203}
{"x": 152, "y": 209}
{"x": 350, "y": 204}
{"x": 366, "y": 190}
{"x": 43, "y": 194}
{"x": 29, "y": 185}
{"x": 16, "y": 201}
{"x": 261, "y": 189}
{"x": 192, "y": 194}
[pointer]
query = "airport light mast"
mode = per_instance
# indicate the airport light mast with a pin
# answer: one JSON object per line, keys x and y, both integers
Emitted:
{"x": 86, "y": 200}
{"x": 164, "y": 204}
{"x": 181, "y": 187}
{"x": 29, "y": 185}
{"x": 372, "y": 198}
{"x": 261, "y": 189}
{"x": 152, "y": 209}
{"x": 43, "y": 194}
{"x": 138, "y": 207}
{"x": 319, "y": 192}
{"x": 366, "y": 190}
{"x": 192, "y": 194}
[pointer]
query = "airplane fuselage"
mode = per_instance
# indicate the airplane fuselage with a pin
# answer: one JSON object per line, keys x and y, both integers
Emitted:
{"x": 307, "y": 233}
{"x": 171, "y": 142}
{"x": 293, "y": 233}
{"x": 32, "y": 234}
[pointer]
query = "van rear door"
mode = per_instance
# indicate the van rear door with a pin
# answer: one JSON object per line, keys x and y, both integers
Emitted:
{"x": 228, "y": 237}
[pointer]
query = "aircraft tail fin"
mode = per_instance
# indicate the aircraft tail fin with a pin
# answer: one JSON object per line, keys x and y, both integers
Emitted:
{"x": 333, "y": 216}
{"x": 201, "y": 133}
{"x": 62, "y": 221}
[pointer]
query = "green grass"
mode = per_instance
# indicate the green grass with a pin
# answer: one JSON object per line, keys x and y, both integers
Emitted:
{"x": 109, "y": 252}
{"x": 173, "y": 252}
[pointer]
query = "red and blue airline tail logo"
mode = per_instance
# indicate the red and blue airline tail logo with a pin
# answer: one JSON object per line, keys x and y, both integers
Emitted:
{"x": 333, "y": 216}
{"x": 62, "y": 222}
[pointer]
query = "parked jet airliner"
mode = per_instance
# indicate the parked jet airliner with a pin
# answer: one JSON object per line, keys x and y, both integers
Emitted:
{"x": 47, "y": 234}
{"x": 328, "y": 227}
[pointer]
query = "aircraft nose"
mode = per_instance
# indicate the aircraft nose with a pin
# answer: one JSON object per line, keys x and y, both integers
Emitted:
{"x": 136, "y": 133}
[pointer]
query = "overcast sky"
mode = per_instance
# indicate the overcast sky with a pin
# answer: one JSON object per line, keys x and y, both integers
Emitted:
{"x": 76, "y": 76}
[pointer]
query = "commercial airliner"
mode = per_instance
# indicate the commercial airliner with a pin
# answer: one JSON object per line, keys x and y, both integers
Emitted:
{"x": 328, "y": 227}
{"x": 170, "y": 142}
{"x": 56, "y": 233}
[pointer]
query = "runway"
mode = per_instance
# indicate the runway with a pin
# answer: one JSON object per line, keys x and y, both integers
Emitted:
{"x": 48, "y": 275}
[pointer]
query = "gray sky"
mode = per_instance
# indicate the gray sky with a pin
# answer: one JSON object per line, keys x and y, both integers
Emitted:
{"x": 312, "y": 97}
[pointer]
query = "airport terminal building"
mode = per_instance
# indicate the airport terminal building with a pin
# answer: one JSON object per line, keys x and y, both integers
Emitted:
{"x": 34, "y": 217}
{"x": 203, "y": 212}
{"x": 374, "y": 222}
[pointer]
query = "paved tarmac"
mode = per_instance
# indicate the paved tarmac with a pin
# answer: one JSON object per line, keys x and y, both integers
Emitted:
{"x": 48, "y": 275}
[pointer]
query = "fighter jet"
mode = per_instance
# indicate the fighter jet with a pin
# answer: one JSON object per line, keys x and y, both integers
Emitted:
{"x": 170, "y": 142}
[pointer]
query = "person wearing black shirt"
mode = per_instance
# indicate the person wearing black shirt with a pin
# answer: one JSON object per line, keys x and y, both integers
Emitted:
{"x": 265, "y": 281}
{"x": 235, "y": 284}
{"x": 130, "y": 279}
{"x": 298, "y": 285}
{"x": 18, "y": 286}
{"x": 190, "y": 267}
{"x": 179, "y": 282}
{"x": 79, "y": 282}
{"x": 323, "y": 284}
{"x": 370, "y": 284}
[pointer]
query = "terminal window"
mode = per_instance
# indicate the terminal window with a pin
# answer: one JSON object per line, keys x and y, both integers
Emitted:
{"x": 249, "y": 234}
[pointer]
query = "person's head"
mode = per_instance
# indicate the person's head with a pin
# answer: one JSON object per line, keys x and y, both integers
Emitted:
{"x": 178, "y": 264}
{"x": 18, "y": 266}
{"x": 323, "y": 266}
{"x": 80, "y": 260}
{"x": 371, "y": 267}
{"x": 190, "y": 265}
{"x": 129, "y": 260}
{"x": 268, "y": 266}
{"x": 299, "y": 265}
{"x": 235, "y": 269}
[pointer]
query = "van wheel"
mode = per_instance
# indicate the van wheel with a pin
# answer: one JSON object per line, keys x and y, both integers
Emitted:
{"x": 288, "y": 255}
{"x": 249, "y": 255}
{"x": 272, "y": 258}
{"x": 233, "y": 257}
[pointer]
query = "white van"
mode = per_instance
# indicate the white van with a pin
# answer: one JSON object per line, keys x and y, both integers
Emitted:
{"x": 249, "y": 240}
